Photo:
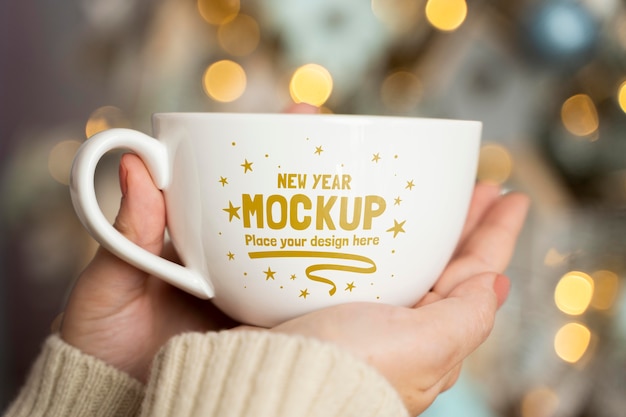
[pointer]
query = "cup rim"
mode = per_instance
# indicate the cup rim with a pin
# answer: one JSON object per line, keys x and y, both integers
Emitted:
{"x": 334, "y": 116}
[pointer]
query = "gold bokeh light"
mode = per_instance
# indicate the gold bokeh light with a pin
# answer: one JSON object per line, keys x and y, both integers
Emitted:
{"x": 621, "y": 96}
{"x": 554, "y": 257}
{"x": 579, "y": 115}
{"x": 218, "y": 12}
{"x": 397, "y": 15}
{"x": 495, "y": 164}
{"x": 103, "y": 118}
{"x": 573, "y": 293}
{"x": 311, "y": 84}
{"x": 620, "y": 30}
{"x": 401, "y": 91}
{"x": 239, "y": 36}
{"x": 606, "y": 289}
{"x": 224, "y": 81}
{"x": 446, "y": 15}
{"x": 572, "y": 341}
{"x": 60, "y": 160}
{"x": 539, "y": 402}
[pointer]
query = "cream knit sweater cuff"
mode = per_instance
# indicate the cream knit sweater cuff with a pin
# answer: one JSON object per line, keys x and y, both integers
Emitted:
{"x": 66, "y": 382}
{"x": 225, "y": 374}
{"x": 260, "y": 373}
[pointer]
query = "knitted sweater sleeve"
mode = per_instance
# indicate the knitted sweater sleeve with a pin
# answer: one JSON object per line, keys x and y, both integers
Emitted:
{"x": 255, "y": 373}
{"x": 66, "y": 382}
{"x": 231, "y": 373}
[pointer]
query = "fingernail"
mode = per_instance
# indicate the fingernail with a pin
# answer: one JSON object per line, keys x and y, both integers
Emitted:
{"x": 123, "y": 173}
{"x": 501, "y": 286}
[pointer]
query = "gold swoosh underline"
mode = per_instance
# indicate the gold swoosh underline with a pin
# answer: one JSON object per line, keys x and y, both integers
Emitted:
{"x": 322, "y": 267}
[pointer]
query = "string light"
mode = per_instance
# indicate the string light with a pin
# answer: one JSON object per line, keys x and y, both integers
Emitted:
{"x": 311, "y": 84}
{"x": 103, "y": 118}
{"x": 224, "y": 81}
{"x": 620, "y": 30}
{"x": 218, "y": 12}
{"x": 401, "y": 91}
{"x": 539, "y": 402}
{"x": 579, "y": 115}
{"x": 60, "y": 160}
{"x": 571, "y": 342}
{"x": 562, "y": 32}
{"x": 606, "y": 289}
{"x": 573, "y": 293}
{"x": 621, "y": 96}
{"x": 446, "y": 15}
{"x": 495, "y": 164}
{"x": 554, "y": 257}
{"x": 398, "y": 15}
{"x": 240, "y": 36}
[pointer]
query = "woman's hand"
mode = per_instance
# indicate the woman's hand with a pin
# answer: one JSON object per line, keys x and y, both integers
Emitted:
{"x": 120, "y": 314}
{"x": 420, "y": 349}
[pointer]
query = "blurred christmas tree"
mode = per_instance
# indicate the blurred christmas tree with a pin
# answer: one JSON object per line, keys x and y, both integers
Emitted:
{"x": 546, "y": 77}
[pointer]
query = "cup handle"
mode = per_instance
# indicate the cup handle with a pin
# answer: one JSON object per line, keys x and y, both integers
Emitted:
{"x": 82, "y": 190}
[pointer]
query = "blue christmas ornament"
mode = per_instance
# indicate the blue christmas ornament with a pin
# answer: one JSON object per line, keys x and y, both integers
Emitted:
{"x": 562, "y": 32}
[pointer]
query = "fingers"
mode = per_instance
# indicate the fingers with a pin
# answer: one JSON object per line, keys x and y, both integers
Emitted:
{"x": 455, "y": 326}
{"x": 493, "y": 240}
{"x": 489, "y": 246}
{"x": 439, "y": 336}
{"x": 485, "y": 194}
{"x": 429, "y": 298}
{"x": 302, "y": 108}
{"x": 501, "y": 286}
{"x": 429, "y": 395}
{"x": 467, "y": 314}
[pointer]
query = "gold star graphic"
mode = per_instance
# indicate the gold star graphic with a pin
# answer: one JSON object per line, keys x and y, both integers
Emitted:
{"x": 247, "y": 166}
{"x": 319, "y": 150}
{"x": 350, "y": 286}
{"x": 232, "y": 211}
{"x": 376, "y": 157}
{"x": 304, "y": 293}
{"x": 397, "y": 201}
{"x": 397, "y": 228}
{"x": 223, "y": 180}
{"x": 410, "y": 185}
{"x": 269, "y": 274}
{"x": 230, "y": 255}
{"x": 292, "y": 277}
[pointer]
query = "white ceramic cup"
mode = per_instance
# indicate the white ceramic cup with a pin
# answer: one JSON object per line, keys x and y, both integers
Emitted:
{"x": 277, "y": 215}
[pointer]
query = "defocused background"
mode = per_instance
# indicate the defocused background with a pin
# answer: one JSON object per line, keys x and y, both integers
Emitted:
{"x": 547, "y": 78}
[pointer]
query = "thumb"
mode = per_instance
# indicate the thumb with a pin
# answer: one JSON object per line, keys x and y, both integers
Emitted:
{"x": 141, "y": 219}
{"x": 108, "y": 285}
